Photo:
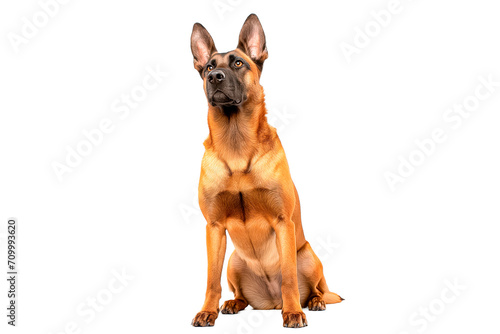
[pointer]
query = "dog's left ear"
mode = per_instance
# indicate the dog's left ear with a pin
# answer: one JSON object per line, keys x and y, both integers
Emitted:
{"x": 252, "y": 40}
{"x": 202, "y": 46}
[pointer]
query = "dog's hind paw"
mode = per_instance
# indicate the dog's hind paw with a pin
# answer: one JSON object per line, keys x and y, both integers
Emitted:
{"x": 233, "y": 306}
{"x": 316, "y": 304}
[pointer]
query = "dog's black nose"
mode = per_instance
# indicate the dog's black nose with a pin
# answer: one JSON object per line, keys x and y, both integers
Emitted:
{"x": 216, "y": 76}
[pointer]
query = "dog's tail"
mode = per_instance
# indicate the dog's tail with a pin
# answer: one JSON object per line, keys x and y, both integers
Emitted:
{"x": 328, "y": 296}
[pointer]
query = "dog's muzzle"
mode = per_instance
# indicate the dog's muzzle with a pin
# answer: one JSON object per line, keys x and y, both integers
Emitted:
{"x": 223, "y": 89}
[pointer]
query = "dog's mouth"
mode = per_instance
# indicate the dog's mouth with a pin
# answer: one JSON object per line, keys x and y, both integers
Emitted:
{"x": 221, "y": 98}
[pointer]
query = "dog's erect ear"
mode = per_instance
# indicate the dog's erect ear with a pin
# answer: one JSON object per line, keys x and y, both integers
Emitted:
{"x": 252, "y": 40}
{"x": 202, "y": 46}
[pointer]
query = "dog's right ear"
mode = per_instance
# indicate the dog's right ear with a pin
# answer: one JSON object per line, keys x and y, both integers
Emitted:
{"x": 202, "y": 46}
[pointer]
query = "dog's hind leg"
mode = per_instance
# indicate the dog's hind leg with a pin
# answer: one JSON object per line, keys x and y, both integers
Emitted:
{"x": 239, "y": 302}
{"x": 312, "y": 284}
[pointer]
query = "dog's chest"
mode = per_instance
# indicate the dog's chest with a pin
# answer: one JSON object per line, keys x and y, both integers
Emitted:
{"x": 244, "y": 202}
{"x": 239, "y": 188}
{"x": 240, "y": 175}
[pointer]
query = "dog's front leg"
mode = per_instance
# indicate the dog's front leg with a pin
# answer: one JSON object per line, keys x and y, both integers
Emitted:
{"x": 216, "y": 249}
{"x": 286, "y": 243}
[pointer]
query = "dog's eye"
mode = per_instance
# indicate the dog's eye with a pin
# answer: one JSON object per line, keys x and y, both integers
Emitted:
{"x": 238, "y": 63}
{"x": 209, "y": 68}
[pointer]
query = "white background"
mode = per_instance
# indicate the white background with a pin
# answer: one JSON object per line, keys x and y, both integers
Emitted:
{"x": 388, "y": 253}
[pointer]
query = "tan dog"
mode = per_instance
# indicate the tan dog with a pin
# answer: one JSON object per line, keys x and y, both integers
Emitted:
{"x": 246, "y": 189}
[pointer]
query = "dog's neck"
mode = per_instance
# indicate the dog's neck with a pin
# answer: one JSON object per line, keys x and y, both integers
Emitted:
{"x": 239, "y": 133}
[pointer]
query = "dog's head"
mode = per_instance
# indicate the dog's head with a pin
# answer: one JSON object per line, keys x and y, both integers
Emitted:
{"x": 230, "y": 78}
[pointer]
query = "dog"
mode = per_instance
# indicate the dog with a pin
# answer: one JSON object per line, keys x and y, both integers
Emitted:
{"x": 246, "y": 188}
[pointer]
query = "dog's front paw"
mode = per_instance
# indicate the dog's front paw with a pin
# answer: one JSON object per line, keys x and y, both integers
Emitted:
{"x": 204, "y": 319}
{"x": 294, "y": 319}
